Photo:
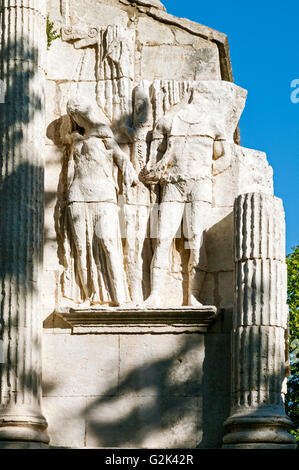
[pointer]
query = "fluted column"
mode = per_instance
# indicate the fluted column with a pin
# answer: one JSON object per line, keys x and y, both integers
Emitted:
{"x": 23, "y": 45}
{"x": 258, "y": 418}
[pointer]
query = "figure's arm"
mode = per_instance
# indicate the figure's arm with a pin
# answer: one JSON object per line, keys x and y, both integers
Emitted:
{"x": 152, "y": 174}
{"x": 130, "y": 176}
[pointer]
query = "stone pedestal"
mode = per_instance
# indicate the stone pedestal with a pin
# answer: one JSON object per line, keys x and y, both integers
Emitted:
{"x": 258, "y": 419}
{"x": 23, "y": 42}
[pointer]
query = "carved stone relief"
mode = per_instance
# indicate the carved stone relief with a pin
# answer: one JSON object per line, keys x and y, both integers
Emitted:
{"x": 136, "y": 184}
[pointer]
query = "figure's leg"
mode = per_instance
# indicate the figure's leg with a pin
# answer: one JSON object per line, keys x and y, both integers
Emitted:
{"x": 170, "y": 217}
{"x": 78, "y": 219}
{"x": 196, "y": 214}
{"x": 108, "y": 232}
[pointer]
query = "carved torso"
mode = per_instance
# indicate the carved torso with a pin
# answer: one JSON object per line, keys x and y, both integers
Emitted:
{"x": 93, "y": 172}
{"x": 193, "y": 133}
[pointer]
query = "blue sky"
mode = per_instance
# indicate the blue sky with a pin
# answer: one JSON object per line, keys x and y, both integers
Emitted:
{"x": 264, "y": 45}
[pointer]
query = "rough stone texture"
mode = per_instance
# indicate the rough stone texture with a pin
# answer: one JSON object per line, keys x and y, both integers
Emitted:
{"x": 161, "y": 62}
{"x": 21, "y": 218}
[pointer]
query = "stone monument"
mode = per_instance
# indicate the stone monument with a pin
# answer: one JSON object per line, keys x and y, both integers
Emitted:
{"x": 139, "y": 233}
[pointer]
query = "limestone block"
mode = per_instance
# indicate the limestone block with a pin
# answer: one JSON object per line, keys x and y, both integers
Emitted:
{"x": 66, "y": 420}
{"x": 52, "y": 174}
{"x": 254, "y": 174}
{"x": 91, "y": 12}
{"x": 216, "y": 391}
{"x": 226, "y": 289}
{"x": 219, "y": 240}
{"x": 55, "y": 11}
{"x": 49, "y": 292}
{"x": 132, "y": 421}
{"x": 151, "y": 32}
{"x": 248, "y": 171}
{"x": 51, "y": 261}
{"x": 207, "y": 294}
{"x": 150, "y": 366}
{"x": 161, "y": 63}
{"x": 52, "y": 111}
{"x": 80, "y": 365}
{"x": 64, "y": 62}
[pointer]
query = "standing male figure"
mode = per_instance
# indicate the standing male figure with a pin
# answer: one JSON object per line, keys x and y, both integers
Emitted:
{"x": 192, "y": 135}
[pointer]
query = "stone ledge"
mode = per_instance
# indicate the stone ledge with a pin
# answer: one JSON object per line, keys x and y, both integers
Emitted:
{"x": 138, "y": 321}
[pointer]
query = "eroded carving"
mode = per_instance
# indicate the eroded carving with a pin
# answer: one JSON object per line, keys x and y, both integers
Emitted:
{"x": 192, "y": 135}
{"x": 173, "y": 134}
{"x": 92, "y": 209}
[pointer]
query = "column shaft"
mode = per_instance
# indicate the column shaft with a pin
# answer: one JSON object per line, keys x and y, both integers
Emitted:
{"x": 258, "y": 418}
{"x": 22, "y": 127}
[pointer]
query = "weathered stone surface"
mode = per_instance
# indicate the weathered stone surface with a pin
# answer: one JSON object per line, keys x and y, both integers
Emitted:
{"x": 219, "y": 240}
{"x": 161, "y": 62}
{"x": 261, "y": 293}
{"x": 169, "y": 367}
{"x": 226, "y": 289}
{"x": 143, "y": 422}
{"x": 105, "y": 12}
{"x": 71, "y": 64}
{"x": 259, "y": 228}
{"x": 247, "y": 171}
{"x": 150, "y": 3}
{"x": 21, "y": 237}
{"x": 72, "y": 367}
{"x": 150, "y": 32}
{"x": 66, "y": 420}
{"x": 260, "y": 322}
{"x": 183, "y": 320}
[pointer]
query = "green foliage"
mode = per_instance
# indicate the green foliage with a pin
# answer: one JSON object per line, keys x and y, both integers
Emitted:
{"x": 52, "y": 33}
{"x": 292, "y": 398}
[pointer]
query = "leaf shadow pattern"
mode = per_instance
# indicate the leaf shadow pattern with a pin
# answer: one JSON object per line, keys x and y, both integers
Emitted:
{"x": 21, "y": 218}
{"x": 170, "y": 402}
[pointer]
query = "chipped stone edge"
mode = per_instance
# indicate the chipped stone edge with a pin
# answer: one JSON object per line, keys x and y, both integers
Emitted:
{"x": 212, "y": 35}
{"x": 139, "y": 321}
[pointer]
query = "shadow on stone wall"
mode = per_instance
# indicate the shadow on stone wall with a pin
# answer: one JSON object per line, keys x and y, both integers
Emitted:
{"x": 180, "y": 397}
{"x": 21, "y": 214}
{"x": 171, "y": 392}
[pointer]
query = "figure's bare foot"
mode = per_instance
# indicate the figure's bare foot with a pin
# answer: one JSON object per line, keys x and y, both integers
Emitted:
{"x": 193, "y": 302}
{"x": 153, "y": 301}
